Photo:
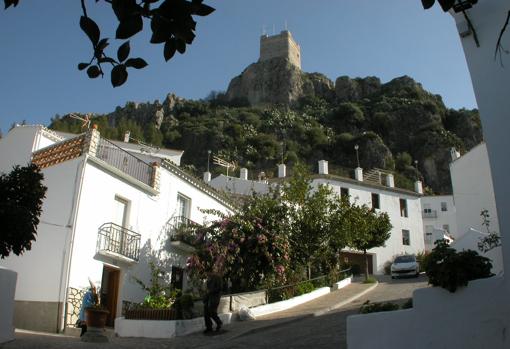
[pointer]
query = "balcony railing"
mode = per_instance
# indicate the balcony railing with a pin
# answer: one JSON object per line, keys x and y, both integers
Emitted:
{"x": 114, "y": 240}
{"x": 182, "y": 229}
{"x": 124, "y": 161}
{"x": 429, "y": 214}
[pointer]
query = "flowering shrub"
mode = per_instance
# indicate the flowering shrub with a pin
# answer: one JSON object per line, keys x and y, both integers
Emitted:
{"x": 244, "y": 249}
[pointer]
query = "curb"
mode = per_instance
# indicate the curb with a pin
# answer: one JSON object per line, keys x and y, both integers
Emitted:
{"x": 345, "y": 301}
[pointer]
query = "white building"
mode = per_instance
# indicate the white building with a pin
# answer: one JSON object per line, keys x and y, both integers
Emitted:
{"x": 106, "y": 214}
{"x": 375, "y": 189}
{"x": 439, "y": 218}
{"x": 476, "y": 316}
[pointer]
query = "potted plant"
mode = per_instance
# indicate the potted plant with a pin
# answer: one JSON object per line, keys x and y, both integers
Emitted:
{"x": 95, "y": 317}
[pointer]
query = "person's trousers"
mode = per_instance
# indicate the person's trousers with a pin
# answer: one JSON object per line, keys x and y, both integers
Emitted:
{"x": 211, "y": 312}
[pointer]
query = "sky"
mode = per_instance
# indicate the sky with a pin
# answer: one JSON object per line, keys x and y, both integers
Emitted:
{"x": 41, "y": 44}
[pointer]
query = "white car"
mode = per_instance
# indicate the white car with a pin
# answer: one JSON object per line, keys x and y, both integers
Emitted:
{"x": 405, "y": 266}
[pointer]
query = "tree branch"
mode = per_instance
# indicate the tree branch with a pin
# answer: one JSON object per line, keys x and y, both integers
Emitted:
{"x": 499, "y": 47}
{"x": 84, "y": 8}
{"x": 470, "y": 26}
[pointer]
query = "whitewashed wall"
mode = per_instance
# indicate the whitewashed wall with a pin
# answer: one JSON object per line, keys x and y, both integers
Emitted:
{"x": 41, "y": 271}
{"x": 389, "y": 203}
{"x": 147, "y": 216}
{"x": 239, "y": 186}
{"x": 473, "y": 190}
{"x": 443, "y": 217}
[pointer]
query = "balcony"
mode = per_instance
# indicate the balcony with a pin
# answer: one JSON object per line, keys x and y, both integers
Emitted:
{"x": 181, "y": 232}
{"x": 429, "y": 214}
{"x": 117, "y": 242}
{"x": 124, "y": 161}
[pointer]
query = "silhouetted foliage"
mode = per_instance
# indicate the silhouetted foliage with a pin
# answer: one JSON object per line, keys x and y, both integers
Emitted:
{"x": 171, "y": 23}
{"x": 21, "y": 197}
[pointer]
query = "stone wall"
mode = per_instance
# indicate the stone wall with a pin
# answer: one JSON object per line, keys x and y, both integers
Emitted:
{"x": 280, "y": 46}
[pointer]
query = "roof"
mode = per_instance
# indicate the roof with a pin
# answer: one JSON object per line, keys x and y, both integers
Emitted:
{"x": 356, "y": 182}
{"x": 198, "y": 183}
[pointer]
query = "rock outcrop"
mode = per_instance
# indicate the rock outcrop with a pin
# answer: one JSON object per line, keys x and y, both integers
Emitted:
{"x": 277, "y": 81}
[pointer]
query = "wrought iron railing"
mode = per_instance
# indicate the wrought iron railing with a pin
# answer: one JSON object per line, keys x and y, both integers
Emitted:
{"x": 182, "y": 229}
{"x": 429, "y": 214}
{"x": 124, "y": 161}
{"x": 116, "y": 239}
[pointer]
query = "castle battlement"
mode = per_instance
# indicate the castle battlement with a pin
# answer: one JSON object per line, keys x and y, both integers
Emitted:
{"x": 281, "y": 45}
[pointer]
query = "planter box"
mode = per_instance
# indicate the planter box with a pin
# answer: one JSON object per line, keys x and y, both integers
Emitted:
{"x": 151, "y": 314}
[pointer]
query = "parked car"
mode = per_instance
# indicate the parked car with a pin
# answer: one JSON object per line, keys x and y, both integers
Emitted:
{"x": 405, "y": 266}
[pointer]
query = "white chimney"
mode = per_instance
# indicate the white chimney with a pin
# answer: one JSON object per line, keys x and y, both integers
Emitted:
{"x": 244, "y": 174}
{"x": 126, "y": 136}
{"x": 282, "y": 171}
{"x": 418, "y": 187}
{"x": 454, "y": 153}
{"x": 207, "y": 177}
{"x": 358, "y": 174}
{"x": 390, "y": 180}
{"x": 323, "y": 167}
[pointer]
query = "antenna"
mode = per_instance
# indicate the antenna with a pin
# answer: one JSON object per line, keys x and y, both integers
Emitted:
{"x": 220, "y": 162}
{"x": 86, "y": 119}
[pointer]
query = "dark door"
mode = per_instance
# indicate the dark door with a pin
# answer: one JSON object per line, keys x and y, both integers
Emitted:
{"x": 176, "y": 280}
{"x": 110, "y": 292}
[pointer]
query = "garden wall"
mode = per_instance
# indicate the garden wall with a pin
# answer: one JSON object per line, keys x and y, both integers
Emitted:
{"x": 7, "y": 291}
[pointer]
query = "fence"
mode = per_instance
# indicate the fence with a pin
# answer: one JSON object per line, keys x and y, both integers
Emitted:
{"x": 114, "y": 238}
{"x": 124, "y": 161}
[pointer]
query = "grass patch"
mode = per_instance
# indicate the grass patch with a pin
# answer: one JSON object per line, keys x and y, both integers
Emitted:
{"x": 370, "y": 280}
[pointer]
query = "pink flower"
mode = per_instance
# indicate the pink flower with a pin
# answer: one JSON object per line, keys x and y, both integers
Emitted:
{"x": 280, "y": 269}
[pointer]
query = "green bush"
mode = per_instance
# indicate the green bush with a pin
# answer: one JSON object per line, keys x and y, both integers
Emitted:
{"x": 370, "y": 280}
{"x": 387, "y": 268}
{"x": 408, "y": 304}
{"x": 368, "y": 307}
{"x": 183, "y": 305}
{"x": 421, "y": 258}
{"x": 450, "y": 269}
{"x": 305, "y": 287}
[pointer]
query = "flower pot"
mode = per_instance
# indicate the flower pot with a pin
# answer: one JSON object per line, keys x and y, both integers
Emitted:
{"x": 96, "y": 317}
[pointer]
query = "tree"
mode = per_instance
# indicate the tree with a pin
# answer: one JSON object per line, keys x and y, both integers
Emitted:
{"x": 369, "y": 229}
{"x": 171, "y": 23}
{"x": 21, "y": 197}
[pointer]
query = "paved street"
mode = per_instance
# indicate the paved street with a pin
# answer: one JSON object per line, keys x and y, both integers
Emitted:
{"x": 307, "y": 326}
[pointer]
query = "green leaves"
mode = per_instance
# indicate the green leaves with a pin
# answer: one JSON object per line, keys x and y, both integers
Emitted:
{"x": 93, "y": 72}
{"x": 137, "y": 63}
{"x": 123, "y": 51}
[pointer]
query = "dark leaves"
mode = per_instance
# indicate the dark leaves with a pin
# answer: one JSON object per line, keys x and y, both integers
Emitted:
{"x": 446, "y": 5}
{"x": 129, "y": 27}
{"x": 8, "y": 3}
{"x": 82, "y": 66}
{"x": 181, "y": 45}
{"x": 93, "y": 72}
{"x": 201, "y": 9}
{"x": 137, "y": 63}
{"x": 123, "y": 51}
{"x": 119, "y": 75}
{"x": 91, "y": 29}
{"x": 427, "y": 3}
{"x": 170, "y": 49}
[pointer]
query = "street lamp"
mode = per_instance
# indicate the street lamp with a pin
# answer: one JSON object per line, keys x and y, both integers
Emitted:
{"x": 356, "y": 147}
{"x": 208, "y": 156}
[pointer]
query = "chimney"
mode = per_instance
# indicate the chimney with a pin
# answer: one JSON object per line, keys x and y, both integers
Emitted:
{"x": 207, "y": 177}
{"x": 282, "y": 171}
{"x": 244, "y": 174}
{"x": 323, "y": 167}
{"x": 454, "y": 153}
{"x": 126, "y": 136}
{"x": 358, "y": 174}
{"x": 390, "y": 180}
{"x": 418, "y": 187}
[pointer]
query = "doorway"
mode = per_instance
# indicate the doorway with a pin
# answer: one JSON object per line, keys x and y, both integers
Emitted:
{"x": 110, "y": 283}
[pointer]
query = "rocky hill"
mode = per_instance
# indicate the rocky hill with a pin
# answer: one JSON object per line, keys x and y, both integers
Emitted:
{"x": 274, "y": 111}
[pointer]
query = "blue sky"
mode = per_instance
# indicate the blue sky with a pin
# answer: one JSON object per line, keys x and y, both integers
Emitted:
{"x": 40, "y": 46}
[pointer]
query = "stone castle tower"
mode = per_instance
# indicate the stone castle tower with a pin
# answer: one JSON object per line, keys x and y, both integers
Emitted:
{"x": 281, "y": 45}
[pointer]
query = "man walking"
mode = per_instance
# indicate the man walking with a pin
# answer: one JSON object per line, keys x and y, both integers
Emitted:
{"x": 211, "y": 301}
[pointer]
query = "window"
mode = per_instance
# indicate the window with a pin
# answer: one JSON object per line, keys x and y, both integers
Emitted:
{"x": 375, "y": 201}
{"x": 406, "y": 238}
{"x": 183, "y": 206}
{"x": 426, "y": 208}
{"x": 403, "y": 208}
{"x": 344, "y": 192}
{"x": 444, "y": 207}
{"x": 446, "y": 228}
{"x": 120, "y": 212}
